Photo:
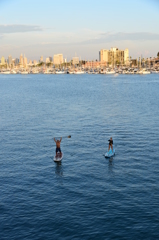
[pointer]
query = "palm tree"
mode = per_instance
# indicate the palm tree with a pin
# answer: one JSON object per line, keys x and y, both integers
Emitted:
{"x": 150, "y": 60}
{"x": 146, "y": 62}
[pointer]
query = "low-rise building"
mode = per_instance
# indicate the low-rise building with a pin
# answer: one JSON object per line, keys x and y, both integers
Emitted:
{"x": 75, "y": 60}
{"x": 34, "y": 62}
{"x": 48, "y": 60}
{"x": 92, "y": 64}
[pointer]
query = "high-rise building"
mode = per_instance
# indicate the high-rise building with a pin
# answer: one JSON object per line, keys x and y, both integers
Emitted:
{"x": 2, "y": 60}
{"x": 103, "y": 55}
{"x": 41, "y": 59}
{"x": 21, "y": 59}
{"x": 114, "y": 56}
{"x": 50, "y": 59}
{"x": 126, "y": 56}
{"x": 13, "y": 62}
{"x": 25, "y": 61}
{"x": 58, "y": 59}
{"x": 16, "y": 61}
{"x": 9, "y": 60}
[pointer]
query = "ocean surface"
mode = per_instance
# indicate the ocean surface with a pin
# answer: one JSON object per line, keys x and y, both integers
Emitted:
{"x": 86, "y": 196}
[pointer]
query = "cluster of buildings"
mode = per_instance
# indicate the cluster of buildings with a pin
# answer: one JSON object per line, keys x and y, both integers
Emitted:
{"x": 107, "y": 58}
{"x": 23, "y": 61}
{"x": 113, "y": 56}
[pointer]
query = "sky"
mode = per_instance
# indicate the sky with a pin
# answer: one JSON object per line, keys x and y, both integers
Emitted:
{"x": 78, "y": 28}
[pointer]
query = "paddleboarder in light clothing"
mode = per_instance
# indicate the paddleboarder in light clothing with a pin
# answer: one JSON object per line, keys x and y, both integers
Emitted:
{"x": 58, "y": 149}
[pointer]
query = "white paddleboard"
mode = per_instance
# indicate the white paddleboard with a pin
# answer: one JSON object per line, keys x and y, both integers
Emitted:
{"x": 58, "y": 158}
{"x": 110, "y": 153}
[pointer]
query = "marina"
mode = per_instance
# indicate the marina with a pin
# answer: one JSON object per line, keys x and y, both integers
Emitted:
{"x": 107, "y": 71}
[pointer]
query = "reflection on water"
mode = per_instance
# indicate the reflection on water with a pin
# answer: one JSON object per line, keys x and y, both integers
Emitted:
{"x": 59, "y": 169}
{"x": 111, "y": 164}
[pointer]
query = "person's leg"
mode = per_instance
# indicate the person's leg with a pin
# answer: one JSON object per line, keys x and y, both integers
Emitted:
{"x": 112, "y": 147}
{"x": 60, "y": 153}
{"x": 109, "y": 148}
{"x": 56, "y": 151}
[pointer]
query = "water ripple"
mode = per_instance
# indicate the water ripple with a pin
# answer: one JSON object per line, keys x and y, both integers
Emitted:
{"x": 86, "y": 196}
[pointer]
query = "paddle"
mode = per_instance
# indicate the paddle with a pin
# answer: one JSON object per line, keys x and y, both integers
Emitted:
{"x": 64, "y": 137}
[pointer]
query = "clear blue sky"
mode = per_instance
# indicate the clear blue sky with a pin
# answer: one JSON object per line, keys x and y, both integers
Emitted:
{"x": 36, "y": 27}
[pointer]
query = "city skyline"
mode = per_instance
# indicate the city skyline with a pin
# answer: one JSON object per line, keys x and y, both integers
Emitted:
{"x": 78, "y": 28}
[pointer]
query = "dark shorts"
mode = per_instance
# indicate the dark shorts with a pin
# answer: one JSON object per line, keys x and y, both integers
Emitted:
{"x": 58, "y": 150}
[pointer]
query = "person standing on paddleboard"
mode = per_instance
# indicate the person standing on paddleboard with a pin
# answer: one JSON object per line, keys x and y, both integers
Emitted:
{"x": 110, "y": 144}
{"x": 58, "y": 149}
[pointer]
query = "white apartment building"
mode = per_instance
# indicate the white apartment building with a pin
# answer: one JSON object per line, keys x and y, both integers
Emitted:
{"x": 58, "y": 59}
{"x": 114, "y": 56}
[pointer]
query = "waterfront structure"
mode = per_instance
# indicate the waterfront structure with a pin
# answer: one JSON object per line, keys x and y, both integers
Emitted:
{"x": 114, "y": 56}
{"x": 2, "y": 60}
{"x": 58, "y": 59}
{"x": 75, "y": 60}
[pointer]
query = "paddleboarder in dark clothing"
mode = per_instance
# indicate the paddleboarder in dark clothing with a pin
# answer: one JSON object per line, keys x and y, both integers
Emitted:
{"x": 110, "y": 144}
{"x": 58, "y": 149}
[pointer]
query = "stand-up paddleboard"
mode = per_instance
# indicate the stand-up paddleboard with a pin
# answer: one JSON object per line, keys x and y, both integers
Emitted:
{"x": 58, "y": 158}
{"x": 110, "y": 153}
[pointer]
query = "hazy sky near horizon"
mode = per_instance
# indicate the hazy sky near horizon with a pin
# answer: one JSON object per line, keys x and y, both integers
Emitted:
{"x": 38, "y": 27}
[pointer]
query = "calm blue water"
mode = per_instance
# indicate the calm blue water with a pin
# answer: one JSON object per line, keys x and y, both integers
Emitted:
{"x": 87, "y": 196}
